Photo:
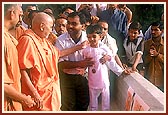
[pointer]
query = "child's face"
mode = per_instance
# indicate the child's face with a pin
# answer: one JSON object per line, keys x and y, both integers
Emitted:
{"x": 133, "y": 33}
{"x": 93, "y": 39}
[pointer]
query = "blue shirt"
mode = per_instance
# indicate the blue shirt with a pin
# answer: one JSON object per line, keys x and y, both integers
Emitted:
{"x": 117, "y": 22}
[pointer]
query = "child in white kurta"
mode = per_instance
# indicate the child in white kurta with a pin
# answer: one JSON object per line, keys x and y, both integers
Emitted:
{"x": 98, "y": 77}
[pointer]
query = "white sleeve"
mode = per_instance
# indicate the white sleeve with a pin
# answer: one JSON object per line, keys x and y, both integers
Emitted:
{"x": 60, "y": 46}
{"x": 112, "y": 65}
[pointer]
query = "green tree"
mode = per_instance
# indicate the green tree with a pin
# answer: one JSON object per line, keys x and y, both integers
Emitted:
{"x": 146, "y": 13}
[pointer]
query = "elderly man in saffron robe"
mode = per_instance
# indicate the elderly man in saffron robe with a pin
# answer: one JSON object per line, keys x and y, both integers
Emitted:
{"x": 38, "y": 60}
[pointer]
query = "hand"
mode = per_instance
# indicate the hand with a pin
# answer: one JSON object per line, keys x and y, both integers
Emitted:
{"x": 153, "y": 52}
{"x": 38, "y": 100}
{"x": 104, "y": 59}
{"x": 125, "y": 65}
{"x": 127, "y": 71}
{"x": 95, "y": 19}
{"x": 84, "y": 44}
{"x": 28, "y": 101}
{"x": 88, "y": 62}
{"x": 81, "y": 71}
{"x": 134, "y": 69}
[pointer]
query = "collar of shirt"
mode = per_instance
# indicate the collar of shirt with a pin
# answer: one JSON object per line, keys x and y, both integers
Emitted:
{"x": 100, "y": 43}
{"x": 161, "y": 42}
{"x": 82, "y": 39}
{"x": 15, "y": 42}
{"x": 134, "y": 41}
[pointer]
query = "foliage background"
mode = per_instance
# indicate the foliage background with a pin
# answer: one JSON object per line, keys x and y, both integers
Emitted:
{"x": 146, "y": 13}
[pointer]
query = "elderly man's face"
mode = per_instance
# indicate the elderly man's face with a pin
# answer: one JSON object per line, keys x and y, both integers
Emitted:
{"x": 60, "y": 26}
{"x": 48, "y": 28}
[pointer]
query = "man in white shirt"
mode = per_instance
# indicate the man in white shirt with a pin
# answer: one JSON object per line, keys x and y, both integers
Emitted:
{"x": 74, "y": 86}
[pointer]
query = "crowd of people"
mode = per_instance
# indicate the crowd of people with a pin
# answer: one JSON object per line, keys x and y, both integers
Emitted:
{"x": 64, "y": 62}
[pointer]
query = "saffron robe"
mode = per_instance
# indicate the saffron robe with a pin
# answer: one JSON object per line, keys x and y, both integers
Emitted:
{"x": 41, "y": 57}
{"x": 11, "y": 71}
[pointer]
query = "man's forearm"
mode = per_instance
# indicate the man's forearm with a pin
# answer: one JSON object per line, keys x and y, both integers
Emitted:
{"x": 68, "y": 64}
{"x": 11, "y": 92}
{"x": 68, "y": 51}
{"x": 136, "y": 62}
{"x": 27, "y": 80}
{"x": 75, "y": 64}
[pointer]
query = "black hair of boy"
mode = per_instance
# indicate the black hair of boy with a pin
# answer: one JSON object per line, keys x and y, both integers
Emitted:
{"x": 94, "y": 28}
{"x": 135, "y": 25}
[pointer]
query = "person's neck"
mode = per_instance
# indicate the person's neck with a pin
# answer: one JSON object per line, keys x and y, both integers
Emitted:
{"x": 7, "y": 26}
{"x": 156, "y": 40}
{"x": 5, "y": 29}
{"x": 25, "y": 21}
{"x": 40, "y": 36}
{"x": 76, "y": 38}
{"x": 94, "y": 46}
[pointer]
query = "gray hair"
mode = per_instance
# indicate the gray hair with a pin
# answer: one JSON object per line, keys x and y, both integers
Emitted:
{"x": 8, "y": 7}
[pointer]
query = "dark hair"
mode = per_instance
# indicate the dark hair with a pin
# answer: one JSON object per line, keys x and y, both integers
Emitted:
{"x": 24, "y": 6}
{"x": 94, "y": 28}
{"x": 30, "y": 16}
{"x": 60, "y": 18}
{"x": 49, "y": 9}
{"x": 87, "y": 15}
{"x": 31, "y": 13}
{"x": 102, "y": 21}
{"x": 81, "y": 16}
{"x": 135, "y": 25}
{"x": 121, "y": 5}
{"x": 63, "y": 10}
{"x": 159, "y": 24}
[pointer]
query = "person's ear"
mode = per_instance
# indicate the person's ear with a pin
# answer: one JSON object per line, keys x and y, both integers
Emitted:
{"x": 12, "y": 14}
{"x": 162, "y": 30}
{"x": 42, "y": 26}
{"x": 83, "y": 27}
{"x": 101, "y": 36}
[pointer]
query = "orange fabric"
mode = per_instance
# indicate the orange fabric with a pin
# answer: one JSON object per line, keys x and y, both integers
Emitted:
{"x": 42, "y": 58}
{"x": 19, "y": 31}
{"x": 11, "y": 69}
